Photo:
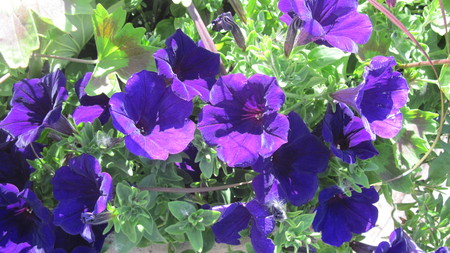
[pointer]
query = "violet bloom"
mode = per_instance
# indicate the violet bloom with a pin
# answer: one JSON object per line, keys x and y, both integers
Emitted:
{"x": 154, "y": 120}
{"x": 259, "y": 213}
{"x": 338, "y": 216}
{"x": 92, "y": 107}
{"x": 400, "y": 242}
{"x": 190, "y": 69}
{"x": 379, "y": 98}
{"x": 296, "y": 164}
{"x": 328, "y": 22}
{"x": 346, "y": 134}
{"x": 25, "y": 224}
{"x": 37, "y": 104}
{"x": 80, "y": 188}
{"x": 243, "y": 119}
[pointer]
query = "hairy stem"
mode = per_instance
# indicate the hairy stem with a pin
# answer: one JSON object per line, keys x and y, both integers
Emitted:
{"x": 424, "y": 63}
{"x": 193, "y": 190}
{"x": 67, "y": 58}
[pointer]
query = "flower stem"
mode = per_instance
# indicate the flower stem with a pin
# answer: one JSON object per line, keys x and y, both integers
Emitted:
{"x": 67, "y": 58}
{"x": 5, "y": 77}
{"x": 424, "y": 63}
{"x": 193, "y": 190}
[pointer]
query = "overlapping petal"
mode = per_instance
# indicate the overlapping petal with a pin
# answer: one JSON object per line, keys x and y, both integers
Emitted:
{"x": 37, "y": 104}
{"x": 92, "y": 107}
{"x": 80, "y": 187}
{"x": 328, "y": 22}
{"x": 379, "y": 98}
{"x": 338, "y": 216}
{"x": 296, "y": 164}
{"x": 189, "y": 68}
{"x": 242, "y": 119}
{"x": 150, "y": 114}
{"x": 25, "y": 224}
{"x": 346, "y": 134}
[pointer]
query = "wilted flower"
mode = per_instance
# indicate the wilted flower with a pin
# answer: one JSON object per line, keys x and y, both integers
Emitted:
{"x": 80, "y": 187}
{"x": 296, "y": 164}
{"x": 379, "y": 98}
{"x": 149, "y": 114}
{"x": 243, "y": 119}
{"x": 400, "y": 243}
{"x": 391, "y": 3}
{"x": 190, "y": 69}
{"x": 92, "y": 107}
{"x": 338, "y": 216}
{"x": 25, "y": 224}
{"x": 328, "y": 22}
{"x": 37, "y": 104}
{"x": 226, "y": 22}
{"x": 346, "y": 134}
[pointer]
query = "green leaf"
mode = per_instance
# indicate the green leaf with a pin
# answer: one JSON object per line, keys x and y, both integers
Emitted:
{"x": 177, "y": 228}
{"x": 209, "y": 217}
{"x": 444, "y": 80}
{"x": 321, "y": 57}
{"x": 410, "y": 146}
{"x": 180, "y": 209}
{"x": 119, "y": 51}
{"x": 196, "y": 239}
{"x": 68, "y": 44}
{"x": 439, "y": 168}
{"x": 420, "y": 122}
{"x": 388, "y": 168}
{"x": 206, "y": 167}
{"x": 19, "y": 34}
{"x": 122, "y": 244}
{"x": 123, "y": 192}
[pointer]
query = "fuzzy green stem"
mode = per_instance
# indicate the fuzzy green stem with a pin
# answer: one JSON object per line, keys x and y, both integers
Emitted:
{"x": 67, "y": 58}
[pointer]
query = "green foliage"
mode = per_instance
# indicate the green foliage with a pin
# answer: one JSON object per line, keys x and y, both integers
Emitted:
{"x": 119, "y": 51}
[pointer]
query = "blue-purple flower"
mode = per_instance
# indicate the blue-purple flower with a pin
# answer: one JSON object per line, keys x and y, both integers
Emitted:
{"x": 190, "y": 69}
{"x": 295, "y": 164}
{"x": 328, "y": 22}
{"x": 25, "y": 224}
{"x": 243, "y": 119}
{"x": 154, "y": 120}
{"x": 67, "y": 243}
{"x": 338, "y": 216}
{"x": 81, "y": 188}
{"x": 37, "y": 104}
{"x": 346, "y": 134}
{"x": 92, "y": 107}
{"x": 400, "y": 242}
{"x": 258, "y": 213}
{"x": 378, "y": 98}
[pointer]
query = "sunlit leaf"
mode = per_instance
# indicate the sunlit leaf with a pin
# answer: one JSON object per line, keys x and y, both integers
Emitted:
{"x": 119, "y": 50}
{"x": 18, "y": 32}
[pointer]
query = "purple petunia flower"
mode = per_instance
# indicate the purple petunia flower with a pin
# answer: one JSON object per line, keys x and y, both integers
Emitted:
{"x": 243, "y": 119}
{"x": 37, "y": 104}
{"x": 259, "y": 213}
{"x": 338, "y": 216}
{"x": 25, "y": 224}
{"x": 400, "y": 243}
{"x": 296, "y": 164}
{"x": 190, "y": 69}
{"x": 379, "y": 98}
{"x": 80, "y": 188}
{"x": 328, "y": 22}
{"x": 92, "y": 107}
{"x": 150, "y": 114}
{"x": 346, "y": 134}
